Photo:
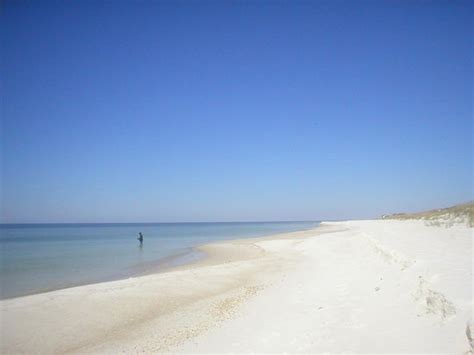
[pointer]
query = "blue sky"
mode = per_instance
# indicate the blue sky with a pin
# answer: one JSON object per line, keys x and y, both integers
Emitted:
{"x": 129, "y": 111}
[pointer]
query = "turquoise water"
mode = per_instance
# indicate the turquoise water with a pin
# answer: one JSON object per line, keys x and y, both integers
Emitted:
{"x": 38, "y": 258}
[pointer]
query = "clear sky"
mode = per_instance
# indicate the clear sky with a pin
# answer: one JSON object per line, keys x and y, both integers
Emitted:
{"x": 129, "y": 111}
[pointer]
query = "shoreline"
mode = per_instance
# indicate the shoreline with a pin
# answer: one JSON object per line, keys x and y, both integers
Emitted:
{"x": 215, "y": 252}
{"x": 316, "y": 290}
{"x": 161, "y": 265}
{"x": 187, "y": 257}
{"x": 116, "y": 309}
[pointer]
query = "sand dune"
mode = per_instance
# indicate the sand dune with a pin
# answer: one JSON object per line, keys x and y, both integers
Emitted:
{"x": 358, "y": 286}
{"x": 447, "y": 217}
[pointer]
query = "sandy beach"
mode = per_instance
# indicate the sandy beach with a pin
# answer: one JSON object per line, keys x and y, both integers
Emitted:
{"x": 234, "y": 177}
{"x": 357, "y": 286}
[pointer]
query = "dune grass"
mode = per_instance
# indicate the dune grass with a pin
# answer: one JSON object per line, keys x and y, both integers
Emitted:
{"x": 463, "y": 213}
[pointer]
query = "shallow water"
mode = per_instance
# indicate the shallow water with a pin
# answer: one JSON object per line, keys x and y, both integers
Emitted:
{"x": 38, "y": 258}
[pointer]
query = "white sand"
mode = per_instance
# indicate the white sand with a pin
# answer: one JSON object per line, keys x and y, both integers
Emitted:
{"x": 359, "y": 286}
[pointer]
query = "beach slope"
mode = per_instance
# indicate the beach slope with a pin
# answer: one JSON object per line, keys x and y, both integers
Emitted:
{"x": 357, "y": 286}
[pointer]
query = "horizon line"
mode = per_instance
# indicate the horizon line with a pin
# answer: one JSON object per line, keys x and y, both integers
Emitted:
{"x": 181, "y": 222}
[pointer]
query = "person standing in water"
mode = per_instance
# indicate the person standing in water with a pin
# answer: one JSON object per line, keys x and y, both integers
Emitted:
{"x": 140, "y": 238}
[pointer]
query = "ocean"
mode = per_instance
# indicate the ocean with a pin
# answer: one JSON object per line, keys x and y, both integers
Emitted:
{"x": 43, "y": 257}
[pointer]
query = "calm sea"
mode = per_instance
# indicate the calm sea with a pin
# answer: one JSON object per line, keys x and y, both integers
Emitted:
{"x": 38, "y": 258}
